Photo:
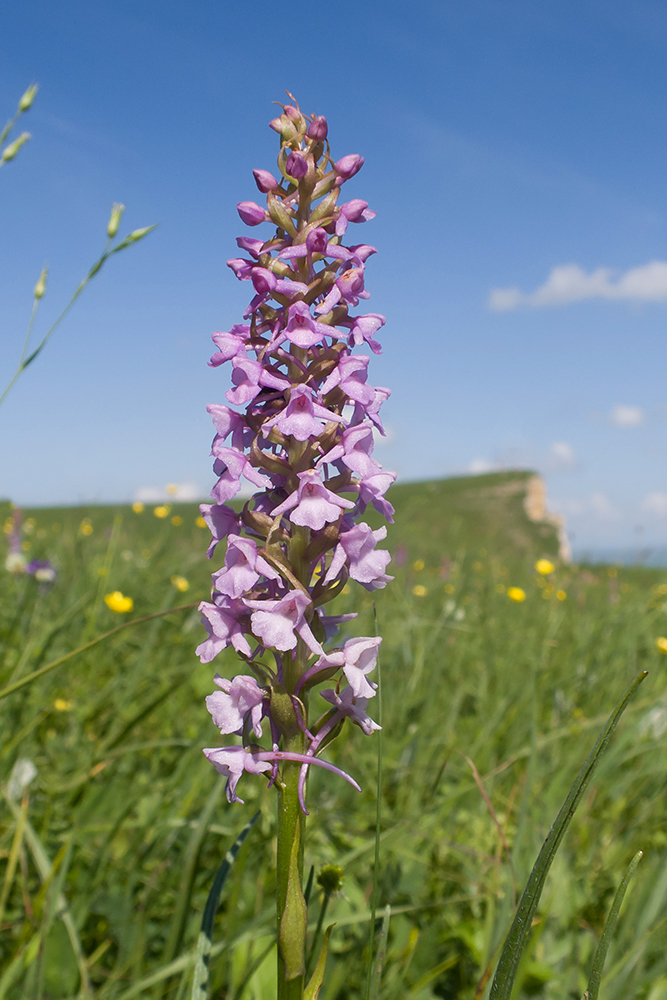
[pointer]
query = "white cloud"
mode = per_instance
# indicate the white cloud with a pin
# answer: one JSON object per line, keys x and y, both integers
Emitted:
{"x": 626, "y": 416}
{"x": 570, "y": 283}
{"x": 480, "y": 465}
{"x": 655, "y": 503}
{"x": 561, "y": 455}
{"x": 596, "y": 504}
{"x": 177, "y": 492}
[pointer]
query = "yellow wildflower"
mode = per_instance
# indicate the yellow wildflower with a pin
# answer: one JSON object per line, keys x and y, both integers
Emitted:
{"x": 419, "y": 591}
{"x": 86, "y": 527}
{"x": 177, "y": 520}
{"x": 172, "y": 489}
{"x": 138, "y": 507}
{"x": 544, "y": 567}
{"x": 561, "y": 595}
{"x": 612, "y": 572}
{"x": 200, "y": 522}
{"x": 449, "y": 588}
{"x": 26, "y": 546}
{"x": 661, "y": 643}
{"x": 516, "y": 594}
{"x": 180, "y": 583}
{"x": 61, "y": 705}
{"x": 661, "y": 589}
{"x": 418, "y": 565}
{"x": 162, "y": 511}
{"x": 118, "y": 603}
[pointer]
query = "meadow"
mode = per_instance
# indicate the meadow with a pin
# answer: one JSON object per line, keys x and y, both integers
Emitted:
{"x": 490, "y": 706}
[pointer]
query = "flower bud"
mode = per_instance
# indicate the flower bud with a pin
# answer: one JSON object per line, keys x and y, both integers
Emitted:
{"x": 284, "y": 127}
{"x": 280, "y": 215}
{"x": 10, "y": 151}
{"x": 349, "y": 165}
{"x": 28, "y": 97}
{"x": 265, "y": 181}
{"x": 330, "y": 878}
{"x": 296, "y": 166}
{"x": 318, "y": 128}
{"x": 40, "y": 287}
{"x": 114, "y": 222}
{"x": 251, "y": 213}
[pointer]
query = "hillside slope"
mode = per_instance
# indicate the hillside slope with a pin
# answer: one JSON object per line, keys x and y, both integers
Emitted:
{"x": 502, "y": 511}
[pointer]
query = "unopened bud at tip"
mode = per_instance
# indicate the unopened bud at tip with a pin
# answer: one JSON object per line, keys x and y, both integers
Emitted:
{"x": 296, "y": 166}
{"x": 265, "y": 181}
{"x": 251, "y": 213}
{"x": 318, "y": 128}
{"x": 40, "y": 287}
{"x": 10, "y": 151}
{"x": 28, "y": 97}
{"x": 114, "y": 221}
{"x": 284, "y": 127}
{"x": 349, "y": 165}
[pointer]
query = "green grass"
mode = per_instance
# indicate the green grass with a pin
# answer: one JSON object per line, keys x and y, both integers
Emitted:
{"x": 125, "y": 825}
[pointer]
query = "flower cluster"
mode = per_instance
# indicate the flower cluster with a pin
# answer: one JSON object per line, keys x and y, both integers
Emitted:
{"x": 300, "y": 428}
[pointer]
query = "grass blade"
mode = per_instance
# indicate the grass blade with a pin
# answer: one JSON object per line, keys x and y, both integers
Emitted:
{"x": 29, "y": 678}
{"x": 378, "y": 819}
{"x": 517, "y": 937}
{"x": 610, "y": 926}
{"x": 205, "y": 941}
{"x": 313, "y": 988}
{"x": 191, "y": 856}
{"x": 381, "y": 954}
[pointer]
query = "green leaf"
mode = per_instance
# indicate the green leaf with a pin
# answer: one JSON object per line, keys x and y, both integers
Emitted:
{"x": 205, "y": 940}
{"x": 313, "y": 988}
{"x": 292, "y": 936}
{"x": 517, "y": 937}
{"x": 610, "y": 926}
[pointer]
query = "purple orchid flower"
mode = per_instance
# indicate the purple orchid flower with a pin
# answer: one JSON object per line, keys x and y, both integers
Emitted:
{"x": 221, "y": 521}
{"x": 304, "y": 331}
{"x": 366, "y": 564}
{"x": 302, "y": 416}
{"x": 300, "y": 427}
{"x": 243, "y": 568}
{"x": 222, "y": 623}
{"x": 230, "y": 465}
{"x": 352, "y": 211}
{"x": 312, "y": 504}
{"x": 231, "y": 762}
{"x": 240, "y": 700}
{"x": 278, "y": 623}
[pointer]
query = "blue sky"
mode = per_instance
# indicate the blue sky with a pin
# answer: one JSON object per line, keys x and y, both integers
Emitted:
{"x": 503, "y": 140}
